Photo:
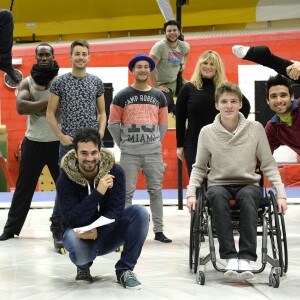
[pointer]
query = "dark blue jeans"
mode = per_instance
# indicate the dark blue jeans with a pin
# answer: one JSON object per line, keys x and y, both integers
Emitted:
{"x": 131, "y": 231}
{"x": 247, "y": 199}
{"x": 6, "y": 35}
{"x": 63, "y": 150}
{"x": 34, "y": 156}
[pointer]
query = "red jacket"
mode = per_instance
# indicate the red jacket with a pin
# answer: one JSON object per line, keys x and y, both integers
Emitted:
{"x": 279, "y": 133}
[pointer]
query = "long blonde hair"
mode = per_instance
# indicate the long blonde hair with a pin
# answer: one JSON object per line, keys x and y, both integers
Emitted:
{"x": 219, "y": 76}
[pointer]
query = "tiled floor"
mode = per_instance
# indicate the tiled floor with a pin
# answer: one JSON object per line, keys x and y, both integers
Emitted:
{"x": 30, "y": 269}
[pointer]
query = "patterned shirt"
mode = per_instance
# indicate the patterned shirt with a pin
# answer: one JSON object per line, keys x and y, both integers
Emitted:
{"x": 138, "y": 120}
{"x": 77, "y": 101}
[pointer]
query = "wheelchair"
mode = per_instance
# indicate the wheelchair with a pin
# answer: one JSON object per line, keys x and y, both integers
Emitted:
{"x": 270, "y": 226}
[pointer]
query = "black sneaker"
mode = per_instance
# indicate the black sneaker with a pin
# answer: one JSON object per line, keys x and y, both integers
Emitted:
{"x": 10, "y": 71}
{"x": 129, "y": 281}
{"x": 84, "y": 275}
{"x": 159, "y": 236}
{"x": 6, "y": 235}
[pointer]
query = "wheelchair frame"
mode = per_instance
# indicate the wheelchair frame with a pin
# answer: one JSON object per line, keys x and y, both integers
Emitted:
{"x": 269, "y": 220}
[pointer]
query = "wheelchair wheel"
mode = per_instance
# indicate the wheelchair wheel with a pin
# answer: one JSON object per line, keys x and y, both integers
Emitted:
{"x": 274, "y": 279}
{"x": 200, "y": 278}
{"x": 192, "y": 241}
{"x": 275, "y": 231}
{"x": 284, "y": 243}
{"x": 195, "y": 232}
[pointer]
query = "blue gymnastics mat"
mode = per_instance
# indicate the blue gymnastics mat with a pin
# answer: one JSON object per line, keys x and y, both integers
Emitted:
{"x": 170, "y": 197}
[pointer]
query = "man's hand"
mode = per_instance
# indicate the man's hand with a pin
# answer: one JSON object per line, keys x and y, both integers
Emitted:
{"x": 164, "y": 88}
{"x": 88, "y": 235}
{"x": 105, "y": 182}
{"x": 281, "y": 205}
{"x": 66, "y": 140}
{"x": 294, "y": 70}
{"x": 182, "y": 67}
{"x": 101, "y": 133}
{"x": 191, "y": 203}
{"x": 180, "y": 153}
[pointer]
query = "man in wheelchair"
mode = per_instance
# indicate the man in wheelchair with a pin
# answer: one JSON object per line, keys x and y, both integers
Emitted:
{"x": 232, "y": 146}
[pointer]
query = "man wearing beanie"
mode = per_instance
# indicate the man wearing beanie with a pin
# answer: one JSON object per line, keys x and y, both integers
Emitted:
{"x": 138, "y": 122}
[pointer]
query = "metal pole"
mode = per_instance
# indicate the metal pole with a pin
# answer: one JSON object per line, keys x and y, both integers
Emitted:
{"x": 180, "y": 190}
{"x": 179, "y": 162}
{"x": 11, "y": 5}
{"x": 178, "y": 17}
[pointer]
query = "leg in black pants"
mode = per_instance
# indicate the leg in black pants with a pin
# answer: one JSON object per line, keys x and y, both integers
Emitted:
{"x": 6, "y": 42}
{"x": 52, "y": 163}
{"x": 190, "y": 158}
{"x": 31, "y": 166}
{"x": 248, "y": 198}
{"x": 263, "y": 56}
{"x": 170, "y": 99}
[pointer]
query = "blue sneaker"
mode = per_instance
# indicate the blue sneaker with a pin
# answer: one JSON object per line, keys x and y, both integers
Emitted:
{"x": 129, "y": 281}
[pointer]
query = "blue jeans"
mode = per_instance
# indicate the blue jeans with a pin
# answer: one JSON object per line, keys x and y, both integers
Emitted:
{"x": 6, "y": 36}
{"x": 63, "y": 150}
{"x": 130, "y": 231}
{"x": 247, "y": 199}
{"x": 153, "y": 169}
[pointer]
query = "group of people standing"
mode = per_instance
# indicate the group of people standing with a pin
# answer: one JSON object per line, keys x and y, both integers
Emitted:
{"x": 66, "y": 121}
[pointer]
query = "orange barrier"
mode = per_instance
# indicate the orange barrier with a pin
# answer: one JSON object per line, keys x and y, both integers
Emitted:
{"x": 290, "y": 175}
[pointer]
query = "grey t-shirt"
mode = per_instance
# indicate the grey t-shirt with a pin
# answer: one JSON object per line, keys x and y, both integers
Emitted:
{"x": 38, "y": 129}
{"x": 169, "y": 60}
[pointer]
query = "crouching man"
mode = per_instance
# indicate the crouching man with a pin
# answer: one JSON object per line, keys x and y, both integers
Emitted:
{"x": 92, "y": 185}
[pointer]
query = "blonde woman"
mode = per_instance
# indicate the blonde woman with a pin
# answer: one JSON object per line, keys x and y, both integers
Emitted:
{"x": 195, "y": 105}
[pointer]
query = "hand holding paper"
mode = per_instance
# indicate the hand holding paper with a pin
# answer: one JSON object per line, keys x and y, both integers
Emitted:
{"x": 99, "y": 222}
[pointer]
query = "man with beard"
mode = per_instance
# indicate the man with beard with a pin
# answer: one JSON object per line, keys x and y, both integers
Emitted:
{"x": 284, "y": 127}
{"x": 170, "y": 56}
{"x": 6, "y": 42}
{"x": 90, "y": 186}
{"x": 138, "y": 122}
{"x": 40, "y": 145}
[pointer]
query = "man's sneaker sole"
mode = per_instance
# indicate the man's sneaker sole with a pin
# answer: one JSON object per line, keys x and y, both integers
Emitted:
{"x": 138, "y": 287}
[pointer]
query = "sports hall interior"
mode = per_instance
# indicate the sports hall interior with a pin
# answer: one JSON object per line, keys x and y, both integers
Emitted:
{"x": 116, "y": 31}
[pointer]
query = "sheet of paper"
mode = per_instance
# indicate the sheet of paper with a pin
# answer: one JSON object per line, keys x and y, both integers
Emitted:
{"x": 99, "y": 222}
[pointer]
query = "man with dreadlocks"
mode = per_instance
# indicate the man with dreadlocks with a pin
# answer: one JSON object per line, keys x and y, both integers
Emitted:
{"x": 40, "y": 146}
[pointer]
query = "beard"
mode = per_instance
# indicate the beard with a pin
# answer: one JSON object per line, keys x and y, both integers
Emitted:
{"x": 89, "y": 168}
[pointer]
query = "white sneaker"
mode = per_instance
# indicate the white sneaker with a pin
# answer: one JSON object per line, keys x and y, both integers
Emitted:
{"x": 244, "y": 266}
{"x": 240, "y": 51}
{"x": 232, "y": 267}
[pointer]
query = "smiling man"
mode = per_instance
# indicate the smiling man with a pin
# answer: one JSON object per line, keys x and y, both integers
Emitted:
{"x": 232, "y": 145}
{"x": 79, "y": 97}
{"x": 138, "y": 121}
{"x": 170, "y": 57}
{"x": 91, "y": 185}
{"x": 284, "y": 127}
